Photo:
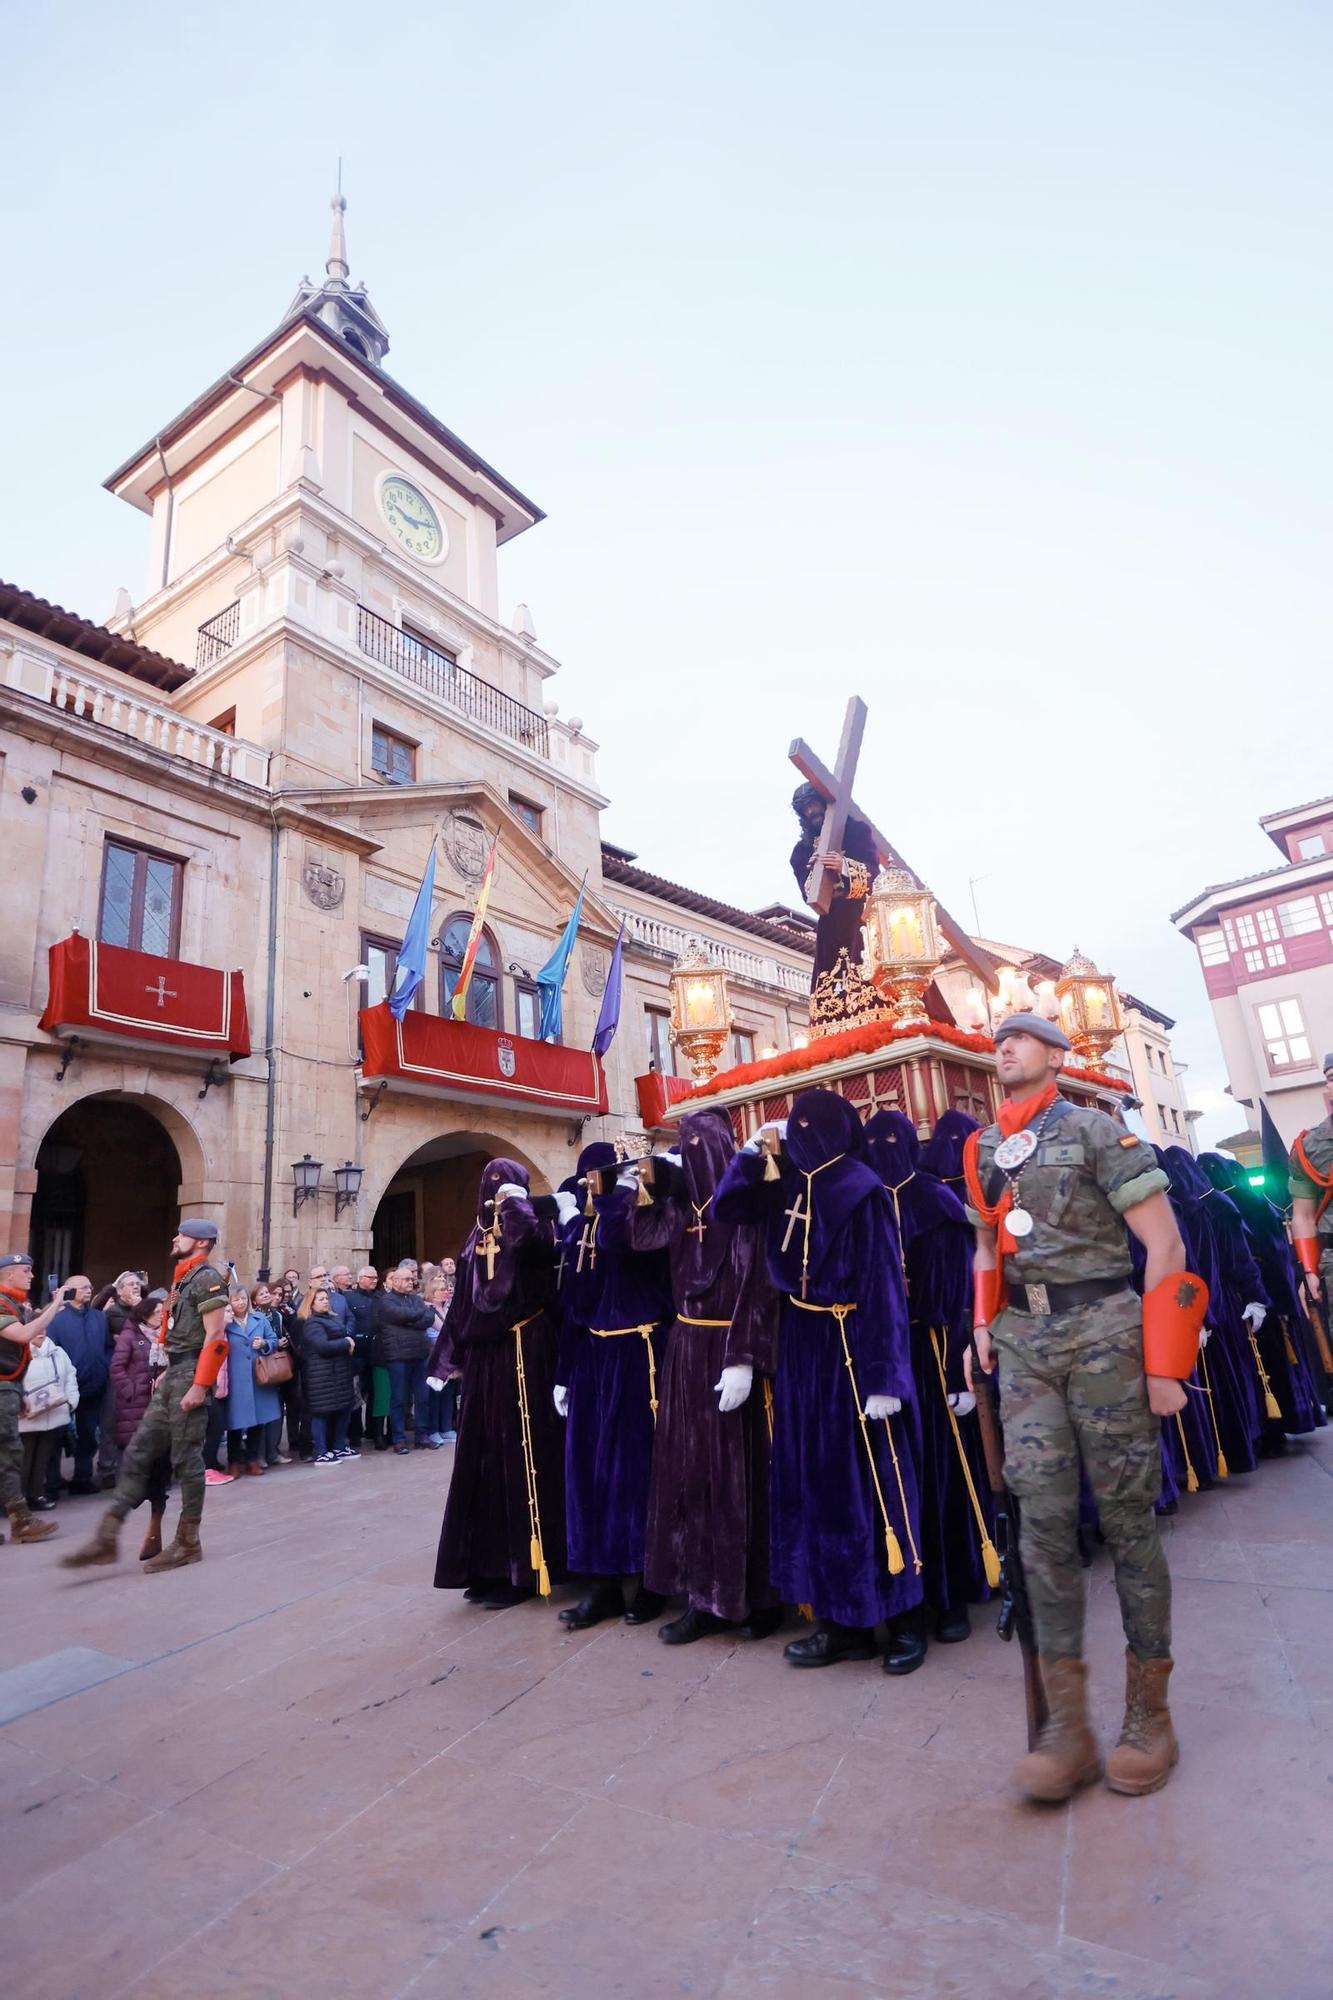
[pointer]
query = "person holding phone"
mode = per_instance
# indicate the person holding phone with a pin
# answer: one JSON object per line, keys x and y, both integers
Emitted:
{"x": 84, "y": 1332}
{"x": 17, "y": 1333}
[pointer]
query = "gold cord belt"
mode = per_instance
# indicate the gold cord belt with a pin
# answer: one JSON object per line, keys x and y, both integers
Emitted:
{"x": 536, "y": 1555}
{"x": 684, "y": 1319}
{"x": 895, "y": 1555}
{"x": 646, "y": 1332}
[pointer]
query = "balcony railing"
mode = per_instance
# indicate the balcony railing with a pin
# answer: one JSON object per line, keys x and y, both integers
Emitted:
{"x": 118, "y": 705}
{"x": 216, "y": 637}
{"x": 751, "y": 965}
{"x": 434, "y": 671}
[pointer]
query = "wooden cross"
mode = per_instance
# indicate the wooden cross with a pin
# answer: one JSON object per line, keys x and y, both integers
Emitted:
{"x": 588, "y": 1245}
{"x": 835, "y": 787}
{"x": 794, "y": 1215}
{"x": 699, "y": 1227}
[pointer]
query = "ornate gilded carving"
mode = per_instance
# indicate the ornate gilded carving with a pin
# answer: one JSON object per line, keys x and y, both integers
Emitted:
{"x": 842, "y": 998}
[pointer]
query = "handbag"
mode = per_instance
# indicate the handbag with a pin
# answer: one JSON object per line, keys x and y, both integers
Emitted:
{"x": 273, "y": 1369}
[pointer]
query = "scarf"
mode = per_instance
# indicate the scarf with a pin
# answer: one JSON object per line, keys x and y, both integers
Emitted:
{"x": 1311, "y": 1172}
{"x": 20, "y": 1300}
{"x": 178, "y": 1277}
{"x": 1012, "y": 1118}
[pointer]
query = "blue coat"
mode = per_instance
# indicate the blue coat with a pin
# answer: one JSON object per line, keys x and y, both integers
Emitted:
{"x": 85, "y": 1334}
{"x": 249, "y": 1402}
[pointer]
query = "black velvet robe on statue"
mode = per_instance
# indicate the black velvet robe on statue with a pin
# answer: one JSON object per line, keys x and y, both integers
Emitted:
{"x": 840, "y": 925}
{"x": 937, "y": 1241}
{"x": 708, "y": 1506}
{"x": 489, "y": 1527}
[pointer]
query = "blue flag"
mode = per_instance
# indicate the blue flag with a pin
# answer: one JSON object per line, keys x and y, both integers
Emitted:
{"x": 416, "y": 944}
{"x": 551, "y": 978}
{"x": 609, "y": 1018}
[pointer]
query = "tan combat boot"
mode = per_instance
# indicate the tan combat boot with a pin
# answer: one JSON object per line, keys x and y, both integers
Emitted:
{"x": 185, "y": 1549}
{"x": 102, "y": 1546}
{"x": 1066, "y": 1755}
{"x": 22, "y": 1527}
{"x": 152, "y": 1541}
{"x": 1142, "y": 1759}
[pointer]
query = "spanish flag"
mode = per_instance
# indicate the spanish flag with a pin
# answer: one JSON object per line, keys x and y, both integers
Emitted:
{"x": 458, "y": 1004}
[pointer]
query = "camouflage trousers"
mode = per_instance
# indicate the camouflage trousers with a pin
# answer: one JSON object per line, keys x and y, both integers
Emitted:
{"x": 11, "y": 1448}
{"x": 165, "y": 1428}
{"x": 1073, "y": 1391}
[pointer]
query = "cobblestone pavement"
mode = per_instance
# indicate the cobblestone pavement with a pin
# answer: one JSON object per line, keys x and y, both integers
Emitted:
{"x": 297, "y": 1769}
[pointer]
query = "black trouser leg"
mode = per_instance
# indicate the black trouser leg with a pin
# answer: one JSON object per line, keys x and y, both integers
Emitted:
{"x": 36, "y": 1452}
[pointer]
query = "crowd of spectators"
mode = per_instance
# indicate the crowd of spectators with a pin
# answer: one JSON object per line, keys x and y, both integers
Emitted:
{"x": 318, "y": 1364}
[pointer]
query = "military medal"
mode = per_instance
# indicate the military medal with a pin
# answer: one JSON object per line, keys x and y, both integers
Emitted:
{"x": 1018, "y": 1222}
{"x": 1016, "y": 1150}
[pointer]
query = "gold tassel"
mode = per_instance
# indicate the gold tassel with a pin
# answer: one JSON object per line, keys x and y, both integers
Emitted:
{"x": 896, "y": 1563}
{"x": 588, "y": 1208}
{"x": 534, "y": 1554}
{"x": 643, "y": 1199}
{"x": 543, "y": 1580}
{"x": 1191, "y": 1476}
{"x": 1272, "y": 1408}
{"x": 1223, "y": 1471}
{"x": 1191, "y": 1480}
{"x": 807, "y": 1611}
{"x": 990, "y": 1556}
{"x": 772, "y": 1171}
{"x": 1291, "y": 1352}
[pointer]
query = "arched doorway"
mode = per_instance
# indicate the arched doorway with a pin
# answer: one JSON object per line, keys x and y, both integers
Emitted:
{"x": 429, "y": 1206}
{"x": 108, "y": 1189}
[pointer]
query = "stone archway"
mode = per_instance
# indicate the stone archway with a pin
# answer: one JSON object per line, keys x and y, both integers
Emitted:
{"x": 428, "y": 1205}
{"x": 112, "y": 1172}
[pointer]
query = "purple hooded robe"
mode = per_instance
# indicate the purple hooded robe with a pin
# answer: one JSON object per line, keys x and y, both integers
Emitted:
{"x": 708, "y": 1507}
{"x": 936, "y": 1240}
{"x": 614, "y": 1306}
{"x": 840, "y": 1486}
{"x": 500, "y": 1333}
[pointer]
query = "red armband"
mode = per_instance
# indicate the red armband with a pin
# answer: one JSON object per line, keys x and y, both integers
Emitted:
{"x": 988, "y": 1295}
{"x": 1172, "y": 1316}
{"x": 1307, "y": 1253}
{"x": 209, "y": 1365}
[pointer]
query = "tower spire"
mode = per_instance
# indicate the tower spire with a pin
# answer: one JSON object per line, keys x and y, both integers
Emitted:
{"x": 336, "y": 263}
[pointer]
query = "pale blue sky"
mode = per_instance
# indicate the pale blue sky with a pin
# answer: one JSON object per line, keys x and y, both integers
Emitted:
{"x": 973, "y": 358}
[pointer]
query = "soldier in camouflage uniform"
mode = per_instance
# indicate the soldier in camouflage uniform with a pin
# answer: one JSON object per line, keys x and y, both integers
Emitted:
{"x": 1051, "y": 1188}
{"x": 1310, "y": 1183}
{"x": 15, "y": 1345}
{"x": 177, "y": 1415}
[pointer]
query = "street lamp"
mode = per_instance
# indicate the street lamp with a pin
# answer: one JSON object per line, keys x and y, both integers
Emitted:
{"x": 700, "y": 1008}
{"x": 902, "y": 945}
{"x": 346, "y": 1187}
{"x": 305, "y": 1180}
{"x": 1089, "y": 1011}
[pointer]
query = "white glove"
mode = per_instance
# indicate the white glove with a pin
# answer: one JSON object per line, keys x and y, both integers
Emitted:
{"x": 964, "y": 1404}
{"x": 560, "y": 1397}
{"x": 673, "y": 1157}
{"x": 734, "y": 1387}
{"x": 1205, "y": 1335}
{"x": 882, "y": 1406}
{"x": 1255, "y": 1314}
{"x": 565, "y": 1205}
{"x": 434, "y": 1382}
{"x": 510, "y": 1191}
{"x": 778, "y": 1125}
{"x": 628, "y": 1177}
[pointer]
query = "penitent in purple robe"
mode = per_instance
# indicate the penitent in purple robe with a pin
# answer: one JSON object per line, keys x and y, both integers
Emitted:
{"x": 708, "y": 1507}
{"x": 936, "y": 1240}
{"x": 615, "y": 1303}
{"x": 844, "y": 1493}
{"x": 508, "y": 1486}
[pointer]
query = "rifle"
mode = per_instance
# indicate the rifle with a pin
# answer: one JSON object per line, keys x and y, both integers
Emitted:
{"x": 1315, "y": 1312}
{"x": 1015, "y": 1615}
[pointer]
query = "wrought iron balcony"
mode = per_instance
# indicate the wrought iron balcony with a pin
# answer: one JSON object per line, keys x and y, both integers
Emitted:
{"x": 429, "y": 668}
{"x": 217, "y": 637}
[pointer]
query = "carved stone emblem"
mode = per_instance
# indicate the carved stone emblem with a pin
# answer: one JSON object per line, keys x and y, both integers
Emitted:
{"x": 466, "y": 845}
{"x": 323, "y": 885}
{"x": 506, "y": 1057}
{"x": 593, "y": 968}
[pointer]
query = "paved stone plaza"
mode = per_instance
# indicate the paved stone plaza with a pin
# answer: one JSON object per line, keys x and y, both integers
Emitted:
{"x": 297, "y": 1769}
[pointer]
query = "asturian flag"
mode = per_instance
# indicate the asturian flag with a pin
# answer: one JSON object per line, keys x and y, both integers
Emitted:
{"x": 416, "y": 944}
{"x": 608, "y": 1020}
{"x": 458, "y": 1005}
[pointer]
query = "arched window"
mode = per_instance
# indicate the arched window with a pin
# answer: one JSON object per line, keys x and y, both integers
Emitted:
{"x": 483, "y": 993}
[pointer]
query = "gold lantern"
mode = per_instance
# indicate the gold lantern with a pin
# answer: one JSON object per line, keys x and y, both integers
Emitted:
{"x": 902, "y": 945}
{"x": 1089, "y": 1010}
{"x": 700, "y": 1008}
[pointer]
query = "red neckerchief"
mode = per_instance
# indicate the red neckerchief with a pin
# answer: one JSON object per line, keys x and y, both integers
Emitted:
{"x": 20, "y": 1301}
{"x": 1012, "y": 1118}
{"x": 1311, "y": 1172}
{"x": 181, "y": 1272}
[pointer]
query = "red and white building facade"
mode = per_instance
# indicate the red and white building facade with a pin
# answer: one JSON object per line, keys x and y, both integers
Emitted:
{"x": 1265, "y": 946}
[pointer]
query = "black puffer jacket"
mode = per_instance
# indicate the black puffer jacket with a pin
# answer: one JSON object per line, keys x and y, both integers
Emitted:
{"x": 404, "y": 1326}
{"x": 361, "y": 1318}
{"x": 328, "y": 1365}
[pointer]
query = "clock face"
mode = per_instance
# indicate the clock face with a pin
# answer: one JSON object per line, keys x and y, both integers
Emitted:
{"x": 412, "y": 518}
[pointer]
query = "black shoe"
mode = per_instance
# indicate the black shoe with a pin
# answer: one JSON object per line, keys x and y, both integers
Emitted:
{"x": 84, "y": 1486}
{"x": 830, "y": 1642}
{"x": 42, "y": 1504}
{"x": 763, "y": 1624}
{"x": 906, "y": 1650}
{"x": 692, "y": 1625}
{"x": 647, "y": 1605}
{"x": 381, "y": 1444}
{"x": 603, "y": 1601}
{"x": 474, "y": 1592}
{"x": 1084, "y": 1547}
{"x": 499, "y": 1596}
{"x": 953, "y": 1626}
